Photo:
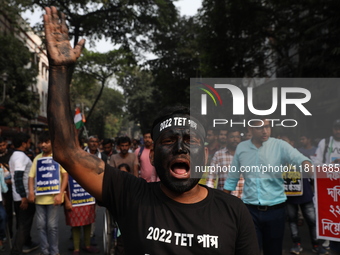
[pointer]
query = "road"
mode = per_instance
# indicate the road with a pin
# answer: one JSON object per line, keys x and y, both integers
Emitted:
{"x": 65, "y": 242}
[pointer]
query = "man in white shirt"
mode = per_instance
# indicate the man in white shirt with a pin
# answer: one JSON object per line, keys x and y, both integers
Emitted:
{"x": 20, "y": 165}
{"x": 328, "y": 150}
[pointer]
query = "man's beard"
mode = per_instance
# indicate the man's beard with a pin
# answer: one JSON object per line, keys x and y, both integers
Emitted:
{"x": 147, "y": 144}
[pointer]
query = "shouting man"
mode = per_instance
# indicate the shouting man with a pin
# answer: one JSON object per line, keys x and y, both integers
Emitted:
{"x": 155, "y": 218}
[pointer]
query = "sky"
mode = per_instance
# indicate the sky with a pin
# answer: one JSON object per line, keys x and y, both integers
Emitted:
{"x": 186, "y": 7}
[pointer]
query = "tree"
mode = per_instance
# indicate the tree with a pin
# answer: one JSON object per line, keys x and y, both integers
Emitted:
{"x": 141, "y": 96}
{"x": 232, "y": 38}
{"x": 117, "y": 20}
{"x": 240, "y": 38}
{"x": 17, "y": 63}
{"x": 164, "y": 80}
{"x": 305, "y": 37}
{"x": 102, "y": 67}
{"x": 175, "y": 46}
{"x": 106, "y": 116}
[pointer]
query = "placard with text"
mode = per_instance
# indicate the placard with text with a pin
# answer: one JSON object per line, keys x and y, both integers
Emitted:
{"x": 47, "y": 176}
{"x": 327, "y": 192}
{"x": 78, "y": 195}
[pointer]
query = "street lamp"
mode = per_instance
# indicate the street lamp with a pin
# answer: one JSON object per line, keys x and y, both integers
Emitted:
{"x": 4, "y": 78}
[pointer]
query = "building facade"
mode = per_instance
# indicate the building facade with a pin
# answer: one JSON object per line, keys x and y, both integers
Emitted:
{"x": 39, "y": 58}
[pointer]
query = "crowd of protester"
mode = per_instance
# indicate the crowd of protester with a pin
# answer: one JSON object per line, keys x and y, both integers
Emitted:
{"x": 20, "y": 155}
{"x": 133, "y": 156}
{"x": 17, "y": 186}
{"x": 297, "y": 209}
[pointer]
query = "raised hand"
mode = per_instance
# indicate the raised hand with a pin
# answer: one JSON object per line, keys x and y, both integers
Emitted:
{"x": 59, "y": 49}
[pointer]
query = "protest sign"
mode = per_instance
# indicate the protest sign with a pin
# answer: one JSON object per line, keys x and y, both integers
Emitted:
{"x": 47, "y": 176}
{"x": 327, "y": 192}
{"x": 78, "y": 196}
{"x": 292, "y": 182}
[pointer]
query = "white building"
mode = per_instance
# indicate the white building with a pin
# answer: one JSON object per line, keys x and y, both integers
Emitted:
{"x": 39, "y": 56}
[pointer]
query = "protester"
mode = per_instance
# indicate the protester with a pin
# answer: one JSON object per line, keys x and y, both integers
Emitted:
{"x": 3, "y": 189}
{"x": 289, "y": 137}
{"x": 307, "y": 147}
{"x": 108, "y": 148}
{"x": 263, "y": 191}
{"x": 212, "y": 143}
{"x": 328, "y": 152}
{"x": 124, "y": 156}
{"x": 223, "y": 158}
{"x": 304, "y": 203}
{"x": 134, "y": 145}
{"x": 20, "y": 165}
{"x": 222, "y": 138}
{"x": 80, "y": 217}
{"x": 93, "y": 147}
{"x": 5, "y": 155}
{"x": 247, "y": 136}
{"x": 146, "y": 169}
{"x": 47, "y": 205}
{"x": 125, "y": 168}
{"x": 174, "y": 207}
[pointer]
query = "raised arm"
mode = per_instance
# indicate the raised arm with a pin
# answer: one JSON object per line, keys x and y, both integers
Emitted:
{"x": 86, "y": 169}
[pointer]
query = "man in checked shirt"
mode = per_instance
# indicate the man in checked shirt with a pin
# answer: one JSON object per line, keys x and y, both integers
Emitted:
{"x": 223, "y": 158}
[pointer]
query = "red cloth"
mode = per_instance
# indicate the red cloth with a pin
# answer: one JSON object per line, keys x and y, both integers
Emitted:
{"x": 81, "y": 215}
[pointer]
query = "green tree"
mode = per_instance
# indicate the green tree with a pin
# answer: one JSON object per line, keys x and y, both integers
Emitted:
{"x": 239, "y": 38}
{"x": 141, "y": 97}
{"x": 175, "y": 46}
{"x": 164, "y": 80}
{"x": 232, "y": 38}
{"x": 116, "y": 20}
{"x": 106, "y": 116}
{"x": 17, "y": 63}
{"x": 304, "y": 37}
{"x": 102, "y": 67}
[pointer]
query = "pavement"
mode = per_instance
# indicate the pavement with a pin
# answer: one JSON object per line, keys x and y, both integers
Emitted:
{"x": 65, "y": 241}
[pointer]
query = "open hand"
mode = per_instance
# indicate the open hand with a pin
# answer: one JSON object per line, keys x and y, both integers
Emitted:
{"x": 59, "y": 49}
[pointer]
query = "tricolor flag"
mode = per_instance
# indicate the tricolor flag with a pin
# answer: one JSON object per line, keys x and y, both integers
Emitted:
{"x": 78, "y": 121}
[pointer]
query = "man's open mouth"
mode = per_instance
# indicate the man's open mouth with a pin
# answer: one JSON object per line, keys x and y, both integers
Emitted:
{"x": 180, "y": 168}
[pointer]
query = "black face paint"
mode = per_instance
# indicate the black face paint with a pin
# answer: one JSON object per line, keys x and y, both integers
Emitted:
{"x": 174, "y": 149}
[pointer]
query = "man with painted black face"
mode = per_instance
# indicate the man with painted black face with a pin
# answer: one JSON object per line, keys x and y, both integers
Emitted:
{"x": 155, "y": 218}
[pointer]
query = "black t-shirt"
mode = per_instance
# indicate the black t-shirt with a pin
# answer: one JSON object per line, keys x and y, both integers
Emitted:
{"x": 152, "y": 223}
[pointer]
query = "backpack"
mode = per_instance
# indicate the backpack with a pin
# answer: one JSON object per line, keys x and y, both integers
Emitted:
{"x": 140, "y": 153}
{"x": 325, "y": 150}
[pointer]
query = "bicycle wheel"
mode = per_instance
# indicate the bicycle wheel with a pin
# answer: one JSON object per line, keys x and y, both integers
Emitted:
{"x": 107, "y": 233}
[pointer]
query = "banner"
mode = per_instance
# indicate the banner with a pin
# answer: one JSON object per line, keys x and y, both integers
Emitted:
{"x": 78, "y": 196}
{"x": 292, "y": 182}
{"x": 327, "y": 193}
{"x": 47, "y": 177}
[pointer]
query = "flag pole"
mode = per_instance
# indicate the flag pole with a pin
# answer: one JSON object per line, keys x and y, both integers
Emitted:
{"x": 84, "y": 120}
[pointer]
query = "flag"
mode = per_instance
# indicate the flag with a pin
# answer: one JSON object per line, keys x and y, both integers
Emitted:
{"x": 78, "y": 121}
